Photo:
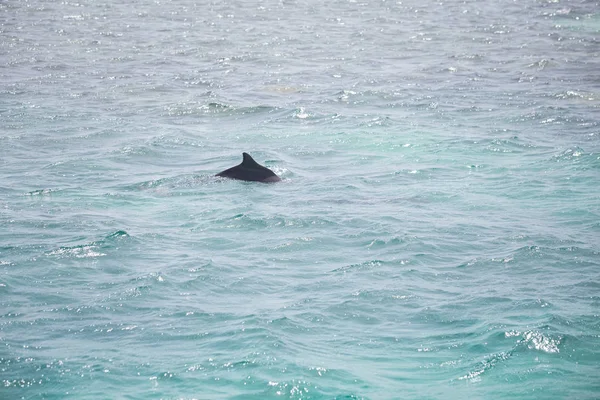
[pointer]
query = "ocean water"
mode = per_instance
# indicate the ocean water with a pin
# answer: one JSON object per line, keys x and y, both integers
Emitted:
{"x": 436, "y": 234}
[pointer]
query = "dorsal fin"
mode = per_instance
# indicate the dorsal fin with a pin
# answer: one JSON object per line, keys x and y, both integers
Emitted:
{"x": 249, "y": 161}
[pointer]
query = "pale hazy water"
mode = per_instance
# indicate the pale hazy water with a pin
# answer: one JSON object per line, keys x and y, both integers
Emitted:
{"x": 436, "y": 235}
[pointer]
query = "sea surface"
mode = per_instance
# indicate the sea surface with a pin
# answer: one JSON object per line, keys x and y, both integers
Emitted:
{"x": 436, "y": 234}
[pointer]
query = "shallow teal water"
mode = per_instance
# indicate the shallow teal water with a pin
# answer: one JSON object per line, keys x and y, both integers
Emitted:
{"x": 436, "y": 233}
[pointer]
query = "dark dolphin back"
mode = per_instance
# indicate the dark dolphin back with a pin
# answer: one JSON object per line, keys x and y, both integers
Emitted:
{"x": 250, "y": 170}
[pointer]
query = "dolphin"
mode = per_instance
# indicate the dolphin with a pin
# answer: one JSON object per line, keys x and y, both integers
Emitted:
{"x": 250, "y": 170}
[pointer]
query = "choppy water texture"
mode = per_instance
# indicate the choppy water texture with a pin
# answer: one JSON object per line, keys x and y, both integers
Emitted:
{"x": 436, "y": 233}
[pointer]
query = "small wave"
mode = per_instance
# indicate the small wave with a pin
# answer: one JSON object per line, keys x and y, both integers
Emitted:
{"x": 190, "y": 109}
{"x": 548, "y": 116}
{"x": 117, "y": 234}
{"x": 41, "y": 192}
{"x": 377, "y": 121}
{"x": 154, "y": 147}
{"x": 375, "y": 243}
{"x": 173, "y": 185}
{"x": 88, "y": 250}
{"x": 487, "y": 364}
{"x": 512, "y": 145}
{"x": 575, "y": 95}
{"x": 214, "y": 108}
{"x": 83, "y": 251}
{"x": 561, "y": 12}
{"x": 477, "y": 262}
{"x": 535, "y": 340}
{"x": 77, "y": 17}
{"x": 302, "y": 114}
{"x": 300, "y": 389}
{"x": 140, "y": 150}
{"x": 513, "y": 258}
{"x": 171, "y": 141}
{"x": 540, "y": 65}
{"x": 367, "y": 265}
{"x": 569, "y": 154}
{"x": 282, "y": 89}
{"x": 249, "y": 221}
{"x": 345, "y": 95}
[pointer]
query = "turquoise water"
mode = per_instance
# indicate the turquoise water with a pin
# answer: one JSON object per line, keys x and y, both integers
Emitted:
{"x": 436, "y": 234}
